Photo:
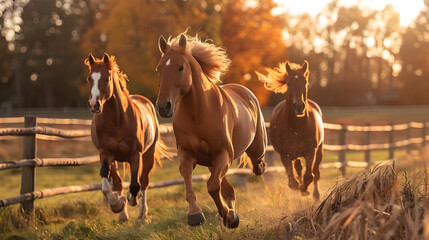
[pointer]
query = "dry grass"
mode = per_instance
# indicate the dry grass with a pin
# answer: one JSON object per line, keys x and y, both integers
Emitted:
{"x": 381, "y": 203}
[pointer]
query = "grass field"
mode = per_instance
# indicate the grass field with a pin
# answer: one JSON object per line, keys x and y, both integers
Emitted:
{"x": 262, "y": 205}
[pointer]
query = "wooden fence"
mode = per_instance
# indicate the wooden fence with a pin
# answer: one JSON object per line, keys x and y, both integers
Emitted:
{"x": 31, "y": 132}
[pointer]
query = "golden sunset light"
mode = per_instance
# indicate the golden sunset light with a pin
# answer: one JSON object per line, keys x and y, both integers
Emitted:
{"x": 408, "y": 10}
{"x": 214, "y": 119}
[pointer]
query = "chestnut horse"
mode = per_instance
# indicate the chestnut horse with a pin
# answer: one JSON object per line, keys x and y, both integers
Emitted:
{"x": 213, "y": 124}
{"x": 296, "y": 128}
{"x": 125, "y": 129}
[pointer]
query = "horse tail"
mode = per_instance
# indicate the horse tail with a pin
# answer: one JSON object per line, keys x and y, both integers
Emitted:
{"x": 161, "y": 149}
{"x": 245, "y": 160}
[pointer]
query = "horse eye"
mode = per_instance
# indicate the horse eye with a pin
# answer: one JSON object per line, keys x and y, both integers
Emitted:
{"x": 181, "y": 68}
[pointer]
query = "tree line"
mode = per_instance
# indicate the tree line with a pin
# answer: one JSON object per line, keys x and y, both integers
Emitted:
{"x": 356, "y": 56}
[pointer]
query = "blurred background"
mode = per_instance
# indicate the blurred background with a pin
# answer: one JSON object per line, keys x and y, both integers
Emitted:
{"x": 361, "y": 53}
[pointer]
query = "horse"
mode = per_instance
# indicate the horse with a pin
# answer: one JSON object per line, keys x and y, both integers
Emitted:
{"x": 124, "y": 129}
{"x": 213, "y": 124}
{"x": 296, "y": 127}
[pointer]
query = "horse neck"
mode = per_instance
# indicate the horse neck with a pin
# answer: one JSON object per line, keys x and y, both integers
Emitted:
{"x": 116, "y": 105}
{"x": 201, "y": 88}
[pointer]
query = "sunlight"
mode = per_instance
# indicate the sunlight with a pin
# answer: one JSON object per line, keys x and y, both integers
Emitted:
{"x": 408, "y": 10}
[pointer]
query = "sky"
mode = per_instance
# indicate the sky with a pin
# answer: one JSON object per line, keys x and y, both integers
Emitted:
{"x": 408, "y": 9}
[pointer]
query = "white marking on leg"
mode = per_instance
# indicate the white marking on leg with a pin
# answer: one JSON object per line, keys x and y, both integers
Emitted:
{"x": 105, "y": 186}
{"x": 168, "y": 62}
{"x": 143, "y": 205}
{"x": 95, "y": 91}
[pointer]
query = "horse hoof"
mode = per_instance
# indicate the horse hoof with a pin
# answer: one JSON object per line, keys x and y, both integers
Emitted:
{"x": 260, "y": 169}
{"x": 119, "y": 205}
{"x": 305, "y": 193}
{"x": 316, "y": 196}
{"x": 234, "y": 223}
{"x": 131, "y": 199}
{"x": 293, "y": 185}
{"x": 196, "y": 219}
{"x": 123, "y": 215}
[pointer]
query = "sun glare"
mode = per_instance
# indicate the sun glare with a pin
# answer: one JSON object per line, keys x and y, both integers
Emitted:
{"x": 408, "y": 9}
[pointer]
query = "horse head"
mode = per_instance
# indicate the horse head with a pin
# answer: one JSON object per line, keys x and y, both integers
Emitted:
{"x": 174, "y": 75}
{"x": 296, "y": 80}
{"x": 100, "y": 80}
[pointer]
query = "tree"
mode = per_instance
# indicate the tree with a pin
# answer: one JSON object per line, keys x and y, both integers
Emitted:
{"x": 130, "y": 30}
{"x": 252, "y": 37}
{"x": 414, "y": 54}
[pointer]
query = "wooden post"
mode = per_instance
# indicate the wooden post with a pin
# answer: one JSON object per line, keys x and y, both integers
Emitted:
{"x": 408, "y": 137}
{"x": 28, "y": 175}
{"x": 342, "y": 153}
{"x": 269, "y": 155}
{"x": 424, "y": 135}
{"x": 391, "y": 141}
{"x": 368, "y": 151}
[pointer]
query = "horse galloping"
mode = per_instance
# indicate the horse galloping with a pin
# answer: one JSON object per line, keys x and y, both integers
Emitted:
{"x": 296, "y": 128}
{"x": 213, "y": 124}
{"x": 125, "y": 129}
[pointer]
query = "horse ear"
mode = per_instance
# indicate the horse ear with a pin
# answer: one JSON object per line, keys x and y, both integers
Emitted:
{"x": 305, "y": 68}
{"x": 91, "y": 59}
{"x": 182, "y": 41}
{"x": 106, "y": 58}
{"x": 162, "y": 44}
{"x": 288, "y": 68}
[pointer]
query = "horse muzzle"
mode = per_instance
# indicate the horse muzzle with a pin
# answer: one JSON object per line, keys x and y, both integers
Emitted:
{"x": 299, "y": 109}
{"x": 165, "y": 110}
{"x": 94, "y": 108}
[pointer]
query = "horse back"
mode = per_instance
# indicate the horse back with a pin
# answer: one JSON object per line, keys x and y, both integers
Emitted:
{"x": 249, "y": 121}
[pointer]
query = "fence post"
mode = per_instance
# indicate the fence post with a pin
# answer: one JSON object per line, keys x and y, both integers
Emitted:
{"x": 28, "y": 175}
{"x": 269, "y": 155}
{"x": 391, "y": 142}
{"x": 368, "y": 142}
{"x": 424, "y": 135}
{"x": 342, "y": 152}
{"x": 408, "y": 137}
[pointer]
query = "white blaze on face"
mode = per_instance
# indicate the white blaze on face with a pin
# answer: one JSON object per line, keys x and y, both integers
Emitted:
{"x": 168, "y": 62}
{"x": 95, "y": 91}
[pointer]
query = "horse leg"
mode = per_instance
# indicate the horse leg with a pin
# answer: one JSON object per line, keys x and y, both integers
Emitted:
{"x": 148, "y": 162}
{"x": 287, "y": 163}
{"x": 308, "y": 175}
{"x": 106, "y": 162}
{"x": 219, "y": 170}
{"x": 298, "y": 169}
{"x": 195, "y": 213}
{"x": 117, "y": 190}
{"x": 135, "y": 167}
{"x": 316, "y": 171}
{"x": 227, "y": 191}
{"x": 256, "y": 150}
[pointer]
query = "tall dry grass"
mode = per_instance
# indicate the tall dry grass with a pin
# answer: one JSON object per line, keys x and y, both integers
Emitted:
{"x": 382, "y": 203}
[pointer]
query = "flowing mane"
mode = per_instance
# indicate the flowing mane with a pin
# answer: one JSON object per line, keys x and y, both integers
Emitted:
{"x": 275, "y": 79}
{"x": 213, "y": 60}
{"x": 114, "y": 68}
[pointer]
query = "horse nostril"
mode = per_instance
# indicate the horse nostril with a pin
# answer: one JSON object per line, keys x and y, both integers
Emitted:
{"x": 88, "y": 105}
{"x": 97, "y": 105}
{"x": 168, "y": 106}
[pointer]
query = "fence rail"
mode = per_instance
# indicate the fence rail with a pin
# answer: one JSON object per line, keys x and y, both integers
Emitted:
{"x": 30, "y": 162}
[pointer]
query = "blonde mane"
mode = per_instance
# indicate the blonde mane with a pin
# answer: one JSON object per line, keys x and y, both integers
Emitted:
{"x": 275, "y": 79}
{"x": 213, "y": 60}
{"x": 122, "y": 77}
